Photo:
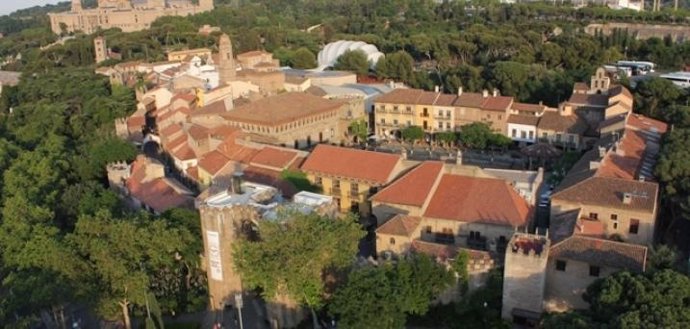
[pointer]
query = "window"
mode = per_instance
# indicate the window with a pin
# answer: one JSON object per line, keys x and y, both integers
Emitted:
{"x": 544, "y": 135}
{"x": 614, "y": 217}
{"x": 409, "y": 123}
{"x": 531, "y": 134}
{"x": 395, "y": 108}
{"x": 440, "y": 125}
{"x": 523, "y": 134}
{"x": 634, "y": 226}
{"x": 354, "y": 188}
{"x": 448, "y": 114}
{"x": 427, "y": 229}
{"x": 395, "y": 122}
{"x": 336, "y": 183}
{"x": 560, "y": 265}
{"x": 440, "y": 113}
{"x": 594, "y": 270}
{"x": 408, "y": 109}
{"x": 318, "y": 181}
{"x": 514, "y": 133}
{"x": 383, "y": 121}
{"x": 500, "y": 117}
{"x": 615, "y": 225}
{"x": 392, "y": 241}
{"x": 593, "y": 215}
{"x": 571, "y": 139}
{"x": 558, "y": 137}
{"x": 448, "y": 125}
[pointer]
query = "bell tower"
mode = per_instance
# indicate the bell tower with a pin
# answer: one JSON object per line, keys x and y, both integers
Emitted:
{"x": 76, "y": 6}
{"x": 226, "y": 62}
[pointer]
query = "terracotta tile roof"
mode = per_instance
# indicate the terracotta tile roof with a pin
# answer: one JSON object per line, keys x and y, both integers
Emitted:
{"x": 316, "y": 91}
{"x": 525, "y": 107}
{"x": 497, "y": 103}
{"x": 445, "y": 251}
{"x": 400, "y": 225}
{"x": 401, "y": 96}
{"x": 175, "y": 143}
{"x": 484, "y": 200}
{"x": 618, "y": 90}
{"x": 155, "y": 193}
{"x": 235, "y": 152}
{"x": 283, "y": 108}
{"x": 528, "y": 120}
{"x": 608, "y": 192}
{"x": 375, "y": 167}
{"x": 413, "y": 188}
{"x": 601, "y": 252}
{"x": 213, "y": 162}
{"x": 592, "y": 100}
{"x": 562, "y": 226}
{"x": 571, "y": 124}
{"x": 198, "y": 132}
{"x": 184, "y": 152}
{"x": 193, "y": 173}
{"x": 170, "y": 131}
{"x": 136, "y": 121}
{"x": 225, "y": 132}
{"x": 641, "y": 122}
{"x": 189, "y": 97}
{"x": 427, "y": 98}
{"x": 445, "y": 100}
{"x": 590, "y": 227}
{"x": 217, "y": 107}
{"x": 275, "y": 158}
{"x": 473, "y": 100}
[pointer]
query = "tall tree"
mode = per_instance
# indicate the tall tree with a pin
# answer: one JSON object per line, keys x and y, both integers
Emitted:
{"x": 354, "y": 61}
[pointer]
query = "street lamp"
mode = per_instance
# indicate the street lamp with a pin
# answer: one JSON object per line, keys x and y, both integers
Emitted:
{"x": 238, "y": 304}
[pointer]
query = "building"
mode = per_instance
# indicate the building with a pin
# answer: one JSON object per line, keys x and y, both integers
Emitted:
{"x": 232, "y": 211}
{"x": 613, "y": 185}
{"x": 351, "y": 178}
{"x": 144, "y": 185}
{"x": 297, "y": 120}
{"x": 437, "y": 112}
{"x": 453, "y": 205}
{"x": 188, "y": 54}
{"x": 100, "y": 49}
{"x": 9, "y": 78}
{"x": 122, "y": 14}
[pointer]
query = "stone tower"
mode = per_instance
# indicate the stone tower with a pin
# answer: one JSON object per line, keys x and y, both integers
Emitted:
{"x": 99, "y": 49}
{"x": 525, "y": 277}
{"x": 226, "y": 61}
{"x": 76, "y": 6}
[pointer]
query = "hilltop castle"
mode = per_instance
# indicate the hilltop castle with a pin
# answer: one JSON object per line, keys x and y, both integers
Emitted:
{"x": 129, "y": 16}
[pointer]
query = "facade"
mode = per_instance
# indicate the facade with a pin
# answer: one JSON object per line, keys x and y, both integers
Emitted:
{"x": 185, "y": 55}
{"x": 351, "y": 175}
{"x": 120, "y": 14}
{"x": 100, "y": 49}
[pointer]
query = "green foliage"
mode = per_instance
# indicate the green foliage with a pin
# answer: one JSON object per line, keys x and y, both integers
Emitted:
{"x": 295, "y": 253}
{"x": 382, "y": 297}
{"x": 662, "y": 257}
{"x": 654, "y": 95}
{"x": 359, "y": 129}
{"x": 303, "y": 58}
{"x": 479, "y": 136}
{"x": 299, "y": 180}
{"x": 412, "y": 134}
{"x": 397, "y": 66}
{"x": 447, "y": 137}
{"x": 459, "y": 266}
{"x": 354, "y": 61}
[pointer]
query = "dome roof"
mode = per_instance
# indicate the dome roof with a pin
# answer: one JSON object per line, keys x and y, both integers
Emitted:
{"x": 329, "y": 54}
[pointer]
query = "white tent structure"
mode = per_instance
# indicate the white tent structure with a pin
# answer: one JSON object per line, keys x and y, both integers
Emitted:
{"x": 329, "y": 54}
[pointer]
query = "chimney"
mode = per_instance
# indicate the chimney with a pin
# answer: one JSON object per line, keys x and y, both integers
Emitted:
{"x": 460, "y": 91}
{"x": 437, "y": 89}
{"x": 495, "y": 92}
{"x": 236, "y": 185}
{"x": 627, "y": 198}
{"x": 485, "y": 93}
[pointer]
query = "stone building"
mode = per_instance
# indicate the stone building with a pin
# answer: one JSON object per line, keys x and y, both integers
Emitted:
{"x": 232, "y": 211}
{"x": 351, "y": 175}
{"x": 122, "y": 14}
{"x": 100, "y": 49}
{"x": 524, "y": 278}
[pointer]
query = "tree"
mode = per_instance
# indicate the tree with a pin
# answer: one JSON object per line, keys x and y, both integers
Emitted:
{"x": 662, "y": 257}
{"x": 359, "y": 129}
{"x": 303, "y": 58}
{"x": 459, "y": 266}
{"x": 654, "y": 94}
{"x": 123, "y": 256}
{"x": 412, "y": 134}
{"x": 398, "y": 66}
{"x": 353, "y": 60}
{"x": 294, "y": 255}
{"x": 382, "y": 297}
{"x": 447, "y": 137}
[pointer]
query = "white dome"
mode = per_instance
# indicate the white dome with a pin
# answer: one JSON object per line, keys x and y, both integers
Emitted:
{"x": 329, "y": 54}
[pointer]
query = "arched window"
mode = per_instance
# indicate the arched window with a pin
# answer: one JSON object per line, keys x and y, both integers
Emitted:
{"x": 392, "y": 241}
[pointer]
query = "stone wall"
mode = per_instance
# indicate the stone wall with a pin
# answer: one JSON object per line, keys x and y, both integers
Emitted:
{"x": 524, "y": 274}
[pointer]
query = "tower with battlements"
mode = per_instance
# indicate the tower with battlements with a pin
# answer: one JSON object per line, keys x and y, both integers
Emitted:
{"x": 76, "y": 6}
{"x": 525, "y": 278}
{"x": 226, "y": 61}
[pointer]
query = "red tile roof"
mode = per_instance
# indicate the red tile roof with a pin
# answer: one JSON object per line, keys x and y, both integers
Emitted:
{"x": 213, "y": 162}
{"x": 170, "y": 131}
{"x": 525, "y": 107}
{"x": 274, "y": 158}
{"x": 269, "y": 177}
{"x": 413, "y": 188}
{"x": 601, "y": 252}
{"x": 401, "y": 96}
{"x": 184, "y": 152}
{"x": 136, "y": 121}
{"x": 400, "y": 225}
{"x": 283, "y": 108}
{"x": 484, "y": 200}
{"x": 197, "y": 132}
{"x": 497, "y": 103}
{"x": 193, "y": 173}
{"x": 155, "y": 193}
{"x": 374, "y": 167}
{"x": 445, "y": 251}
{"x": 589, "y": 100}
{"x": 472, "y": 100}
{"x": 236, "y": 152}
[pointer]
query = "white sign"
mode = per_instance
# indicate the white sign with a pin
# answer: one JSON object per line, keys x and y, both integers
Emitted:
{"x": 214, "y": 262}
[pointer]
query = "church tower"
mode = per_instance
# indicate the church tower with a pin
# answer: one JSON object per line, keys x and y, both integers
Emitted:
{"x": 100, "y": 50}
{"x": 76, "y": 6}
{"x": 226, "y": 62}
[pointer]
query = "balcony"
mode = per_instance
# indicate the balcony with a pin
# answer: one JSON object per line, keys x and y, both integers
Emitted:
{"x": 381, "y": 110}
{"x": 444, "y": 238}
{"x": 354, "y": 194}
{"x": 335, "y": 191}
{"x": 424, "y": 115}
